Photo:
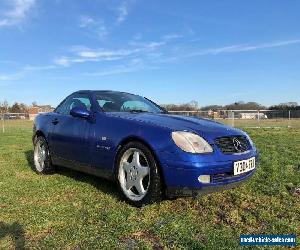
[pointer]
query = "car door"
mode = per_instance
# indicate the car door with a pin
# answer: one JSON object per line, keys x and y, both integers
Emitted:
{"x": 69, "y": 139}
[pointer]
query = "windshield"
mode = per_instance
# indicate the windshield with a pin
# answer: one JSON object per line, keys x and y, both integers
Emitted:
{"x": 123, "y": 102}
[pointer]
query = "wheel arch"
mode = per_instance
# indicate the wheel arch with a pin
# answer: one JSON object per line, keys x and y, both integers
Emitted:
{"x": 39, "y": 133}
{"x": 144, "y": 142}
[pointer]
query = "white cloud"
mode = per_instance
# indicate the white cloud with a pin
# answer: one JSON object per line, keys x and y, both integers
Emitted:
{"x": 68, "y": 61}
{"x": 62, "y": 61}
{"x": 147, "y": 45}
{"x": 136, "y": 56}
{"x": 89, "y": 54}
{"x": 122, "y": 12}
{"x": 86, "y": 21}
{"x": 105, "y": 54}
{"x": 81, "y": 54}
{"x": 243, "y": 47}
{"x": 171, "y": 36}
{"x": 95, "y": 26}
{"x": 16, "y": 12}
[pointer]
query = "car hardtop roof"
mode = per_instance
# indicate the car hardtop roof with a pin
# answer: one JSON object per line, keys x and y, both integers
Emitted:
{"x": 103, "y": 91}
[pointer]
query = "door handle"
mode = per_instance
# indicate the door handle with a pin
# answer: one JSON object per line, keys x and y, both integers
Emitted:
{"x": 55, "y": 121}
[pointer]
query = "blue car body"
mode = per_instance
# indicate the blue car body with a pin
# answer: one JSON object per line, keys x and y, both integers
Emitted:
{"x": 91, "y": 145}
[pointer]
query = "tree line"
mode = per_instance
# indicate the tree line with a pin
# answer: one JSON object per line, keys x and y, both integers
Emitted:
{"x": 240, "y": 105}
{"x": 15, "y": 107}
{"x": 190, "y": 106}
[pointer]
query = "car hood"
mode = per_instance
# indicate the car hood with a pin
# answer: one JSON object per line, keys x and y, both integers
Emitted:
{"x": 207, "y": 128}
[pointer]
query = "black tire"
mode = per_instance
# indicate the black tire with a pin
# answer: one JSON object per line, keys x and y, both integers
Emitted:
{"x": 46, "y": 167}
{"x": 154, "y": 192}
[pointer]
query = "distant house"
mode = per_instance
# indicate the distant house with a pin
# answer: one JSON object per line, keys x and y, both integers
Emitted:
{"x": 253, "y": 116}
{"x": 213, "y": 114}
{"x": 35, "y": 110}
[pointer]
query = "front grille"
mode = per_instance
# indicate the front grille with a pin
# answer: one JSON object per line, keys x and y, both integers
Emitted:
{"x": 219, "y": 178}
{"x": 232, "y": 144}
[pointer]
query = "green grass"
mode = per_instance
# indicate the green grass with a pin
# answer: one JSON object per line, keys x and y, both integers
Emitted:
{"x": 71, "y": 210}
{"x": 265, "y": 123}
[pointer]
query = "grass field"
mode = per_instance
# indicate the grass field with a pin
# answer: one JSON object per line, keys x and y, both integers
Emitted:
{"x": 71, "y": 210}
{"x": 266, "y": 123}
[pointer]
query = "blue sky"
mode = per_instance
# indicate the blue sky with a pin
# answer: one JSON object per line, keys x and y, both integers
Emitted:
{"x": 214, "y": 52}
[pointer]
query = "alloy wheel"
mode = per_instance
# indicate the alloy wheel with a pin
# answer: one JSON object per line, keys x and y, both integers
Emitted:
{"x": 40, "y": 155}
{"x": 134, "y": 174}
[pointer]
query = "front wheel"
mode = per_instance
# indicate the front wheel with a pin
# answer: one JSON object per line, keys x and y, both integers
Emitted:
{"x": 138, "y": 175}
{"x": 41, "y": 156}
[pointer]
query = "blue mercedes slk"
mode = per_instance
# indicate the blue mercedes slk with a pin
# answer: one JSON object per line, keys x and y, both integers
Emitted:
{"x": 148, "y": 152}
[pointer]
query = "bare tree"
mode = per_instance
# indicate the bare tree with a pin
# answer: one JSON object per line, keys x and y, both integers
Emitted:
{"x": 4, "y": 106}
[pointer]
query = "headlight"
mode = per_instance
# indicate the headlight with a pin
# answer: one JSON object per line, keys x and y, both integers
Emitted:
{"x": 191, "y": 143}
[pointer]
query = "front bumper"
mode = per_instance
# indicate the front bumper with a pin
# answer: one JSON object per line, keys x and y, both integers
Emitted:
{"x": 204, "y": 189}
{"x": 181, "y": 177}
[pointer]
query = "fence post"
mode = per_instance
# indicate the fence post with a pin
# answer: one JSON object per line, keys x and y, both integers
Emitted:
{"x": 258, "y": 117}
{"x": 232, "y": 117}
{"x": 3, "y": 127}
{"x": 289, "y": 119}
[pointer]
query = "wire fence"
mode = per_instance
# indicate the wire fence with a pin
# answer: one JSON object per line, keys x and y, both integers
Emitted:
{"x": 15, "y": 122}
{"x": 249, "y": 118}
{"x": 235, "y": 118}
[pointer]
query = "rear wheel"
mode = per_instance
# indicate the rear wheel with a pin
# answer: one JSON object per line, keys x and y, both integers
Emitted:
{"x": 138, "y": 175}
{"x": 41, "y": 156}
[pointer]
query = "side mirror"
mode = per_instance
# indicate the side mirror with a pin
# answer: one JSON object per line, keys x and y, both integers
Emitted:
{"x": 80, "y": 112}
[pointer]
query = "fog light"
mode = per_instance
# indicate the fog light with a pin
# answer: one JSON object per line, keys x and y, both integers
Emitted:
{"x": 204, "y": 178}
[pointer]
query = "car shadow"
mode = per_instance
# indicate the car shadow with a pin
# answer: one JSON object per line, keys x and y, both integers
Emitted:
{"x": 15, "y": 231}
{"x": 29, "y": 158}
{"x": 103, "y": 185}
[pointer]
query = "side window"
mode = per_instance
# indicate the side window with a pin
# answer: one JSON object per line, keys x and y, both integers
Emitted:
{"x": 134, "y": 105}
{"x": 108, "y": 105}
{"x": 81, "y": 101}
{"x": 77, "y": 100}
{"x": 102, "y": 102}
